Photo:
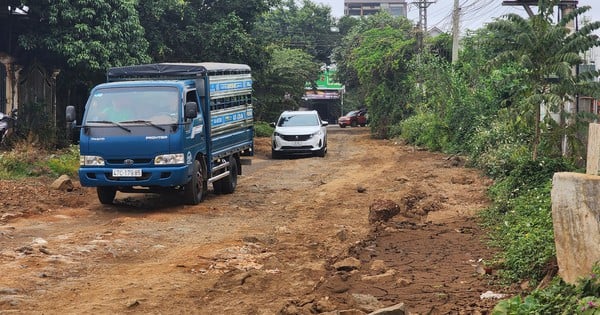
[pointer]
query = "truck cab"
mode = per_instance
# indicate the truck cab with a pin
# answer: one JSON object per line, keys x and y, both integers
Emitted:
{"x": 167, "y": 128}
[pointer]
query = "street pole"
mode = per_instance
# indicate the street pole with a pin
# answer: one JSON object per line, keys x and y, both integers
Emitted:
{"x": 455, "y": 31}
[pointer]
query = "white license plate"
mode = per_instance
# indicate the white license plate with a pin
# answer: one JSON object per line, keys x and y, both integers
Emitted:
{"x": 127, "y": 172}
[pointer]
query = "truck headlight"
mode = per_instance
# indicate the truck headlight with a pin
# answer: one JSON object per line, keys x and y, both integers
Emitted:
{"x": 169, "y": 159}
{"x": 91, "y": 160}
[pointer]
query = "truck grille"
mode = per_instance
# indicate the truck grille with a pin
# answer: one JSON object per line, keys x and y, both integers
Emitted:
{"x": 122, "y": 161}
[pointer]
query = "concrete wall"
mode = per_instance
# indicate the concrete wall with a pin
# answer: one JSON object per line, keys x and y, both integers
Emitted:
{"x": 576, "y": 218}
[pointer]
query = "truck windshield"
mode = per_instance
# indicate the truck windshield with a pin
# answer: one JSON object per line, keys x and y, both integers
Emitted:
{"x": 134, "y": 105}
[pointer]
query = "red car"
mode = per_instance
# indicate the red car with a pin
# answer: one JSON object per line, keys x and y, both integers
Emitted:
{"x": 353, "y": 118}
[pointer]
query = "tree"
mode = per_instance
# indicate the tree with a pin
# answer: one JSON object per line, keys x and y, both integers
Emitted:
{"x": 86, "y": 36}
{"x": 281, "y": 84}
{"x": 548, "y": 54}
{"x": 374, "y": 58}
{"x": 307, "y": 28}
{"x": 197, "y": 31}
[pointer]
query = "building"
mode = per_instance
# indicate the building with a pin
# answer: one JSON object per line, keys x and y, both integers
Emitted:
{"x": 325, "y": 95}
{"x": 358, "y": 8}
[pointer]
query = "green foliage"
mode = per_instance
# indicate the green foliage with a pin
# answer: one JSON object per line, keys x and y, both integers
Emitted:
{"x": 522, "y": 227}
{"x": 521, "y": 218}
{"x": 558, "y": 298}
{"x": 306, "y": 27}
{"x": 528, "y": 175}
{"x": 65, "y": 162}
{"x": 87, "y": 35}
{"x": 262, "y": 129}
{"x": 374, "y": 58}
{"x": 543, "y": 50}
{"x": 441, "y": 93}
{"x": 14, "y": 164}
{"x": 440, "y": 46}
{"x": 498, "y": 147}
{"x": 27, "y": 160}
{"x": 280, "y": 86}
{"x": 424, "y": 129}
{"x": 353, "y": 38}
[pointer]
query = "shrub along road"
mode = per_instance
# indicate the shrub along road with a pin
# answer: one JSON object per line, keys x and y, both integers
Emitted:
{"x": 295, "y": 238}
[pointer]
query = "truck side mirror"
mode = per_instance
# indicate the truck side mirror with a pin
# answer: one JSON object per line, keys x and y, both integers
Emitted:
{"x": 71, "y": 114}
{"x": 190, "y": 110}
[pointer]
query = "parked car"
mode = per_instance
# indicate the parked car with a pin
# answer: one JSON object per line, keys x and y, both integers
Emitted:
{"x": 354, "y": 118}
{"x": 299, "y": 132}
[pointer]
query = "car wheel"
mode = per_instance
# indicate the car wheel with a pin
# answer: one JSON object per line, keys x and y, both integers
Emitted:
{"x": 342, "y": 126}
{"x": 322, "y": 152}
{"x": 275, "y": 155}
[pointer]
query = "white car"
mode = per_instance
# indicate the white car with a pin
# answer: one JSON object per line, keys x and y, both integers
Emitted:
{"x": 299, "y": 132}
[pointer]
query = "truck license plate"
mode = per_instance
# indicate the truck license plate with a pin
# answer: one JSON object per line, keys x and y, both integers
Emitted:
{"x": 127, "y": 172}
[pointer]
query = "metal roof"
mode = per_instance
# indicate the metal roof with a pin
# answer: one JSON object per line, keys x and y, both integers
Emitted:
{"x": 174, "y": 70}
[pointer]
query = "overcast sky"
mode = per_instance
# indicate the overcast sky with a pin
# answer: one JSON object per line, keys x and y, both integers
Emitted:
{"x": 474, "y": 13}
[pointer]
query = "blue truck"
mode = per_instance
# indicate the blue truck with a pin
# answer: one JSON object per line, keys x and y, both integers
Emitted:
{"x": 166, "y": 128}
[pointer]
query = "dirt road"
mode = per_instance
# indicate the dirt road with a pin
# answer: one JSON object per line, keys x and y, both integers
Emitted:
{"x": 294, "y": 238}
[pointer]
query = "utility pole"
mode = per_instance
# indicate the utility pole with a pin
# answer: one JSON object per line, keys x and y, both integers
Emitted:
{"x": 423, "y": 5}
{"x": 455, "y": 31}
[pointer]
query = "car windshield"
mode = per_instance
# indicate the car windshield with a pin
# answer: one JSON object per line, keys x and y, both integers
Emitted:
{"x": 352, "y": 113}
{"x": 298, "y": 120}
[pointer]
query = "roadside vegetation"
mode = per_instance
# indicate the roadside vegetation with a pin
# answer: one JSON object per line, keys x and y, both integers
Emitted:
{"x": 27, "y": 160}
{"x": 492, "y": 106}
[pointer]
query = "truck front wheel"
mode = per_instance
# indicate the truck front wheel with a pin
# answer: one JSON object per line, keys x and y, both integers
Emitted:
{"x": 195, "y": 189}
{"x": 106, "y": 195}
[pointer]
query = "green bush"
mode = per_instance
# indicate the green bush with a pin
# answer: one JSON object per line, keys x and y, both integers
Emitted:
{"x": 65, "y": 162}
{"x": 520, "y": 221}
{"x": 525, "y": 175}
{"x": 424, "y": 129}
{"x": 499, "y": 146}
{"x": 523, "y": 228}
{"x": 26, "y": 160}
{"x": 13, "y": 166}
{"x": 262, "y": 129}
{"x": 557, "y": 298}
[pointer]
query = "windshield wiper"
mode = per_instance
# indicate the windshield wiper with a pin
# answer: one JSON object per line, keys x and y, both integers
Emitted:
{"x": 109, "y": 122}
{"x": 147, "y": 122}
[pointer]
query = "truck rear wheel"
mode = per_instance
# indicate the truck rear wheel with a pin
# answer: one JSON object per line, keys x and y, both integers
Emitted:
{"x": 228, "y": 184}
{"x": 195, "y": 189}
{"x": 106, "y": 195}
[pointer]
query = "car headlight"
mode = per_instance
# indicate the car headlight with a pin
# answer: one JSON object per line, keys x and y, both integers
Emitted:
{"x": 276, "y": 134}
{"x": 91, "y": 160}
{"x": 169, "y": 159}
{"x": 318, "y": 133}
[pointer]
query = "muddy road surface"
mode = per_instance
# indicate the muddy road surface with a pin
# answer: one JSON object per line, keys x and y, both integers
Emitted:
{"x": 296, "y": 237}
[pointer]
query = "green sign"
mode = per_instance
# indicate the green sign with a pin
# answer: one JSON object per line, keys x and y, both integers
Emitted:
{"x": 325, "y": 81}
